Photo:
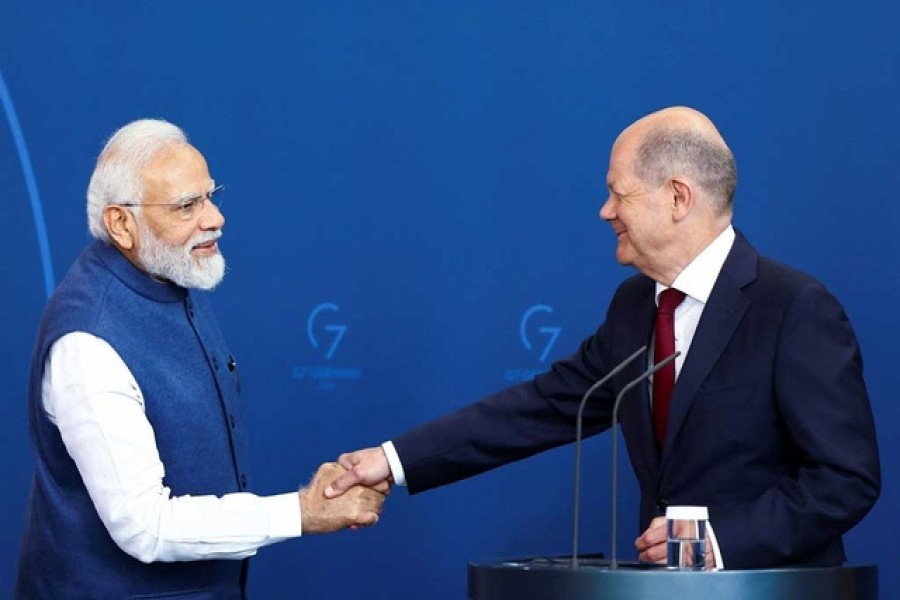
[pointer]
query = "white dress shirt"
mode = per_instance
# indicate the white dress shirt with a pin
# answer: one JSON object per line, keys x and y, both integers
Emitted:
{"x": 696, "y": 280}
{"x": 91, "y": 396}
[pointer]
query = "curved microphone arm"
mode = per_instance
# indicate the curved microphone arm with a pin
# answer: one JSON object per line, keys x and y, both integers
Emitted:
{"x": 578, "y": 425}
{"x": 615, "y": 420}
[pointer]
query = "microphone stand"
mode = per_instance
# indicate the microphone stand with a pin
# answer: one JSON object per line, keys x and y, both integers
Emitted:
{"x": 578, "y": 425}
{"x": 615, "y": 419}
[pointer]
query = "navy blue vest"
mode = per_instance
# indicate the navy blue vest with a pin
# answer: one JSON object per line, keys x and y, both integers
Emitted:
{"x": 170, "y": 341}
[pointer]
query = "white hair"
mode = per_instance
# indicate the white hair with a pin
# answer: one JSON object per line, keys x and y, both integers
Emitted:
{"x": 117, "y": 176}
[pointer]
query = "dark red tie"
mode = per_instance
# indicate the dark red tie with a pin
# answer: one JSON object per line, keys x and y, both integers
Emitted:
{"x": 663, "y": 346}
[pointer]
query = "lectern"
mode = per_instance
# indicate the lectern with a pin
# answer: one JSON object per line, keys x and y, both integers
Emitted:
{"x": 542, "y": 579}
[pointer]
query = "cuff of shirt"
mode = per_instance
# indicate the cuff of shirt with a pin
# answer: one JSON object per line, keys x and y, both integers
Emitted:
{"x": 717, "y": 552}
{"x": 394, "y": 463}
{"x": 284, "y": 515}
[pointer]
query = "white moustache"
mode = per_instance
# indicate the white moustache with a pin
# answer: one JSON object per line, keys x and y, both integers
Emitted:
{"x": 204, "y": 237}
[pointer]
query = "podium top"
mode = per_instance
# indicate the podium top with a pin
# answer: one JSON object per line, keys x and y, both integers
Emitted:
{"x": 554, "y": 579}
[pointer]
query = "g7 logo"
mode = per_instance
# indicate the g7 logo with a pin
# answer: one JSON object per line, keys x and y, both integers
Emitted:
{"x": 551, "y": 332}
{"x": 338, "y": 329}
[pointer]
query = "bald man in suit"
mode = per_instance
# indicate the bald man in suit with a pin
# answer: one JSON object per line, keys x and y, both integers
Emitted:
{"x": 769, "y": 422}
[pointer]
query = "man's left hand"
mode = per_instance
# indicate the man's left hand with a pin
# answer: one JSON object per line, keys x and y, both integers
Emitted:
{"x": 651, "y": 545}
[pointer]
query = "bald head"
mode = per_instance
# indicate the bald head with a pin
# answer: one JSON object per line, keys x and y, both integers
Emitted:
{"x": 683, "y": 141}
{"x": 677, "y": 117}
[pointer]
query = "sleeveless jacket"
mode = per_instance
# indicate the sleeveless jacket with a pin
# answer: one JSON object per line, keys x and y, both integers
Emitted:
{"x": 171, "y": 343}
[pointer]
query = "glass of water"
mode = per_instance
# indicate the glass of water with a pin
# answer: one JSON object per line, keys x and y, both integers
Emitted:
{"x": 686, "y": 527}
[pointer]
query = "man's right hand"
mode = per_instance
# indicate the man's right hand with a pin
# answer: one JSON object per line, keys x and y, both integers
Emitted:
{"x": 367, "y": 467}
{"x": 359, "y": 507}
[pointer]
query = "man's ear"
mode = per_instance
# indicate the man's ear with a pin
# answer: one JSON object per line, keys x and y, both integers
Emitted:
{"x": 120, "y": 225}
{"x": 683, "y": 197}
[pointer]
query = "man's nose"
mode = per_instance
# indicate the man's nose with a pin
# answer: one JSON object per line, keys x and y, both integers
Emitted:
{"x": 211, "y": 217}
{"x": 607, "y": 213}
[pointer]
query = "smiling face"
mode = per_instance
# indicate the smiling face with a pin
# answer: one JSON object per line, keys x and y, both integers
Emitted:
{"x": 172, "y": 243}
{"x": 671, "y": 178}
{"x": 639, "y": 213}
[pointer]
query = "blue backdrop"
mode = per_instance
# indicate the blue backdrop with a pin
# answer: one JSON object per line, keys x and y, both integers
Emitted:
{"x": 406, "y": 182}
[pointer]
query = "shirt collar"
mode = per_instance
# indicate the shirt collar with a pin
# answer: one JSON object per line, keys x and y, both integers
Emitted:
{"x": 698, "y": 278}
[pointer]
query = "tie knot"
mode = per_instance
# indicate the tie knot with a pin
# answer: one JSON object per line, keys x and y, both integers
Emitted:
{"x": 669, "y": 300}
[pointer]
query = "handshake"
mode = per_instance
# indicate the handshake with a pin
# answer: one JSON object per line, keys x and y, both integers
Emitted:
{"x": 338, "y": 498}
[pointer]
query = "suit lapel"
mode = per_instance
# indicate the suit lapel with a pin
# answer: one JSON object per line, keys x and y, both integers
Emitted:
{"x": 721, "y": 316}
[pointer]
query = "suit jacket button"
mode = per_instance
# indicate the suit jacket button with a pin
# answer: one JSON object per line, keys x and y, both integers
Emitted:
{"x": 662, "y": 504}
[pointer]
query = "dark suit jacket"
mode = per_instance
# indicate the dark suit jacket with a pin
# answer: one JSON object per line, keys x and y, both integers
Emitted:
{"x": 770, "y": 424}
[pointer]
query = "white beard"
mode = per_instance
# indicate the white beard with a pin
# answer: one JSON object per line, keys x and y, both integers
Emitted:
{"x": 176, "y": 263}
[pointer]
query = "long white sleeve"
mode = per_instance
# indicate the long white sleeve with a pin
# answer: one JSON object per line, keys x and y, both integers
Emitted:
{"x": 91, "y": 396}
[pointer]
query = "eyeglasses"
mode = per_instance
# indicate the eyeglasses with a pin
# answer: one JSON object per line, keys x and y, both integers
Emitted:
{"x": 185, "y": 208}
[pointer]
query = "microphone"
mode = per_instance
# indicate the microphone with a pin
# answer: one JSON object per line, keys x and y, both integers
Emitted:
{"x": 578, "y": 424}
{"x": 615, "y": 419}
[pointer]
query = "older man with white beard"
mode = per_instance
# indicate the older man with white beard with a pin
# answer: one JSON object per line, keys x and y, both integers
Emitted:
{"x": 141, "y": 482}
